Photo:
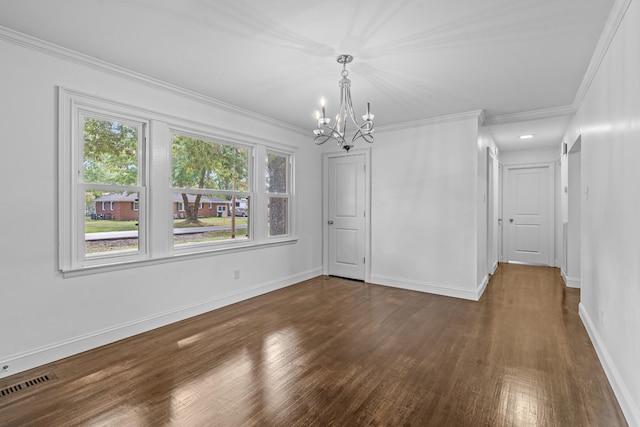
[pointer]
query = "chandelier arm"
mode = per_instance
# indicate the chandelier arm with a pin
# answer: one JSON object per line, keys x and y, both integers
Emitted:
{"x": 321, "y": 139}
{"x": 327, "y": 133}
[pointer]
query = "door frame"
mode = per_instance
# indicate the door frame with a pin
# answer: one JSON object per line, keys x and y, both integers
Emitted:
{"x": 552, "y": 206}
{"x": 493, "y": 255}
{"x": 367, "y": 203}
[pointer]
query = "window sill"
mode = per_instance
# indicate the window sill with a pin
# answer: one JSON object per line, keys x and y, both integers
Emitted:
{"x": 104, "y": 268}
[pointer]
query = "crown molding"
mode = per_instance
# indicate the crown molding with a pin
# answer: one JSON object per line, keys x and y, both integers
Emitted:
{"x": 42, "y": 46}
{"x": 545, "y": 113}
{"x": 606, "y": 37}
{"x": 475, "y": 115}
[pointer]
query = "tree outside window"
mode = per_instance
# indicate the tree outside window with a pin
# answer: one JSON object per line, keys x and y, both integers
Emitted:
{"x": 110, "y": 177}
{"x": 207, "y": 171}
{"x": 277, "y": 183}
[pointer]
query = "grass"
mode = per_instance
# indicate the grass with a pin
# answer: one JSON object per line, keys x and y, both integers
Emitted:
{"x": 104, "y": 225}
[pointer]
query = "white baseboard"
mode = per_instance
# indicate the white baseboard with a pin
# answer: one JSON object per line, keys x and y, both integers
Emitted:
{"x": 482, "y": 287}
{"x": 47, "y": 354}
{"x": 494, "y": 268}
{"x": 431, "y": 288}
{"x": 628, "y": 406}
{"x": 570, "y": 282}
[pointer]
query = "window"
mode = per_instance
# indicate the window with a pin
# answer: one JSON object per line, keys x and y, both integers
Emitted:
{"x": 207, "y": 171}
{"x": 277, "y": 185}
{"x": 113, "y": 195}
{"x": 102, "y": 176}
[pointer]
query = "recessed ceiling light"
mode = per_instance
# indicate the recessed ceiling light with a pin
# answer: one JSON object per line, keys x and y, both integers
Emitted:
{"x": 529, "y": 136}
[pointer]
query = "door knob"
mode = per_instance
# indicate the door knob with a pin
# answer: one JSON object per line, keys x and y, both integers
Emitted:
{"x": 510, "y": 219}
{"x": 330, "y": 222}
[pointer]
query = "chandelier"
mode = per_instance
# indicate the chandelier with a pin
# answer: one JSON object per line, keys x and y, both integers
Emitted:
{"x": 324, "y": 131}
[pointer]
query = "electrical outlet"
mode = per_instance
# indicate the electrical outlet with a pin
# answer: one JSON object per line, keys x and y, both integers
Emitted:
{"x": 602, "y": 316}
{"x": 236, "y": 274}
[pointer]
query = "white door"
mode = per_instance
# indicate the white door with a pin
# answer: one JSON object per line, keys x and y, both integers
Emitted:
{"x": 529, "y": 214}
{"x": 346, "y": 220}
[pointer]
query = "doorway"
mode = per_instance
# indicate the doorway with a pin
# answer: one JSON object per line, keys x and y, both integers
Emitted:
{"x": 346, "y": 227}
{"x": 529, "y": 206}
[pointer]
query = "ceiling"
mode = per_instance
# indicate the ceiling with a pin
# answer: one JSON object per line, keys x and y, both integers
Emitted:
{"x": 414, "y": 59}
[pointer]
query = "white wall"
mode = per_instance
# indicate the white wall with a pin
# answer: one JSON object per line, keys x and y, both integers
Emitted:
{"x": 608, "y": 121}
{"x": 530, "y": 156}
{"x": 425, "y": 208}
{"x": 46, "y": 316}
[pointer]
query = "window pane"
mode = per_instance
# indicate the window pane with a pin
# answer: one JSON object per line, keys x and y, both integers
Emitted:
{"x": 278, "y": 216}
{"x": 276, "y": 173}
{"x": 111, "y": 223}
{"x": 215, "y": 221}
{"x": 110, "y": 152}
{"x": 198, "y": 163}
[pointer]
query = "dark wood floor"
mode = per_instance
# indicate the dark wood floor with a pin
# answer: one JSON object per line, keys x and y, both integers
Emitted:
{"x": 334, "y": 352}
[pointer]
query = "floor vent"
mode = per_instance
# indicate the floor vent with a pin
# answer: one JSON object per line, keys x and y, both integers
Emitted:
{"x": 7, "y": 391}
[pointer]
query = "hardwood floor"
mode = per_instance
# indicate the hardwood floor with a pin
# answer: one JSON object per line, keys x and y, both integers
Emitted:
{"x": 334, "y": 352}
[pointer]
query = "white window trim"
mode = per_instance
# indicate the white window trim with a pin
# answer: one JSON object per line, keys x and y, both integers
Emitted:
{"x": 154, "y": 175}
{"x": 72, "y": 110}
{"x": 288, "y": 195}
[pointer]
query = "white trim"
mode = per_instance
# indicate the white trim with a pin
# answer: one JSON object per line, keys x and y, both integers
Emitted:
{"x": 570, "y": 282}
{"x": 69, "y": 55}
{"x": 173, "y": 123}
{"x": 482, "y": 287}
{"x": 476, "y": 114}
{"x": 181, "y": 254}
{"x": 606, "y": 37}
{"x": 627, "y": 404}
{"x": 288, "y": 194}
{"x": 494, "y": 267}
{"x": 56, "y": 351}
{"x": 545, "y": 113}
{"x": 431, "y": 288}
